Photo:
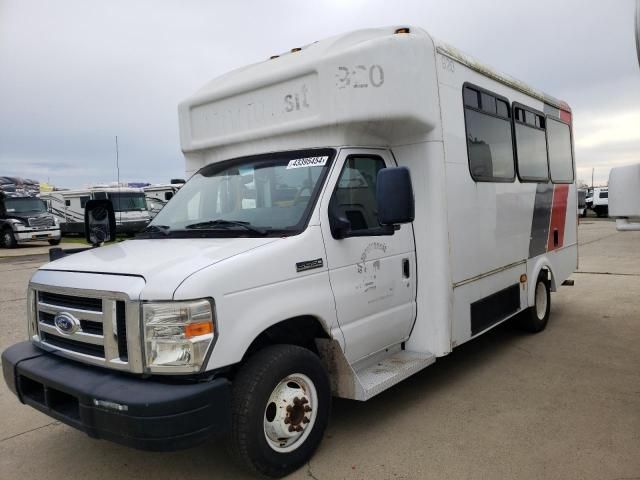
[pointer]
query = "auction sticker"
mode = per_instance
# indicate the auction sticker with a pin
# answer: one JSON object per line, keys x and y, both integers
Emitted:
{"x": 307, "y": 162}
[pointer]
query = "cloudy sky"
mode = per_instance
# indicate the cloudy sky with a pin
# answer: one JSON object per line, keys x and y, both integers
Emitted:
{"x": 76, "y": 73}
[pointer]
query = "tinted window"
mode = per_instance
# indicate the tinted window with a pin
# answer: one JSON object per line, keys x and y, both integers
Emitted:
{"x": 355, "y": 194}
{"x": 471, "y": 98}
{"x": 83, "y": 201}
{"x": 604, "y": 194}
{"x": 490, "y": 147}
{"x": 560, "y": 158}
{"x": 488, "y": 103}
{"x": 67, "y": 203}
{"x": 532, "y": 153}
{"x": 503, "y": 108}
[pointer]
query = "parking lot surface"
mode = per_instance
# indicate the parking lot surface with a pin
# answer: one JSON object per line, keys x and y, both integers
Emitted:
{"x": 563, "y": 404}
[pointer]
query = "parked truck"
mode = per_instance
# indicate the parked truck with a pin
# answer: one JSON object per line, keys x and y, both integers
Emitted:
{"x": 25, "y": 219}
{"x": 357, "y": 208}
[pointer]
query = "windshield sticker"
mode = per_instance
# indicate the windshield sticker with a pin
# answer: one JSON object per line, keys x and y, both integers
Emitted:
{"x": 308, "y": 162}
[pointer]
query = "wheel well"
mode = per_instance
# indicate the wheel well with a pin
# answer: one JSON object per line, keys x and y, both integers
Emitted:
{"x": 301, "y": 331}
{"x": 548, "y": 276}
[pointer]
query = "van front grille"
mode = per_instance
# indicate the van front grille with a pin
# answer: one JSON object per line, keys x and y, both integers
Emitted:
{"x": 90, "y": 328}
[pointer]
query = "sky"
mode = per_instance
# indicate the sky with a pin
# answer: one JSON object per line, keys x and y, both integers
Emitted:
{"x": 74, "y": 74}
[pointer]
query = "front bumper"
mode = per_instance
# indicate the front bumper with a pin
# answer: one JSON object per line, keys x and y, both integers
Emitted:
{"x": 134, "y": 226}
{"x": 152, "y": 415}
{"x": 37, "y": 235}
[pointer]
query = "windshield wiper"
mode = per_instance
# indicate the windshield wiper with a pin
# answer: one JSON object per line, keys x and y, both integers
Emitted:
{"x": 163, "y": 229}
{"x": 225, "y": 224}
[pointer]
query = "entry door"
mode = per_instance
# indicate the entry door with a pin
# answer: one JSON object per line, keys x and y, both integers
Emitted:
{"x": 372, "y": 274}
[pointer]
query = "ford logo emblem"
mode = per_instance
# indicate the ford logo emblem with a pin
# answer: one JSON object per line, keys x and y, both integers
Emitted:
{"x": 66, "y": 323}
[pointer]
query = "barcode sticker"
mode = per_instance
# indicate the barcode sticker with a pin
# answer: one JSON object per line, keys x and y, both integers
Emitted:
{"x": 307, "y": 162}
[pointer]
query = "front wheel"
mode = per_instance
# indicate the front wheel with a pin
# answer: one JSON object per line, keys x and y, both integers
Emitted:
{"x": 534, "y": 319}
{"x": 8, "y": 239}
{"x": 281, "y": 401}
{"x": 55, "y": 241}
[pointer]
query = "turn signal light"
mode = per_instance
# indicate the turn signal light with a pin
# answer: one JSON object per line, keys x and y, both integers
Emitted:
{"x": 196, "y": 329}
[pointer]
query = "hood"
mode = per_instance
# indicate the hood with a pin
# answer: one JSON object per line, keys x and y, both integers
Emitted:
{"x": 163, "y": 263}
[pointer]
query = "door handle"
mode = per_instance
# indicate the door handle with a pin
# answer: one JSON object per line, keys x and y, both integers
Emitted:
{"x": 406, "y": 273}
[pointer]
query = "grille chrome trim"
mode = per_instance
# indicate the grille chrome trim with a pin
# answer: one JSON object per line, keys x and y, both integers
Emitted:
{"x": 107, "y": 318}
{"x": 76, "y": 312}
{"x": 77, "y": 336}
{"x": 45, "y": 221}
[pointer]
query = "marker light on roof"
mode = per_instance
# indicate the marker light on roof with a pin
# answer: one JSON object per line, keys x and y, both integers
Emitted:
{"x": 403, "y": 30}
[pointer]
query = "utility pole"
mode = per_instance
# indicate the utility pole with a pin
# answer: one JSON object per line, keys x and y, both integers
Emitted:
{"x": 592, "y": 169}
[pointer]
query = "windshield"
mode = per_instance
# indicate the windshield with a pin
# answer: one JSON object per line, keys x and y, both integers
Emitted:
{"x": 257, "y": 195}
{"x": 128, "y": 201}
{"x": 24, "y": 205}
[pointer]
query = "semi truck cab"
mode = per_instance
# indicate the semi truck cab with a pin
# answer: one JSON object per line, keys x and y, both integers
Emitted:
{"x": 26, "y": 219}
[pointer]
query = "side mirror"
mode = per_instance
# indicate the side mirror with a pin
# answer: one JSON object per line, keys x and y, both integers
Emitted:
{"x": 99, "y": 222}
{"x": 394, "y": 195}
{"x": 624, "y": 197}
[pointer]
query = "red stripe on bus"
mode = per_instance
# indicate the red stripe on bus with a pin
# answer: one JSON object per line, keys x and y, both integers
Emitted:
{"x": 558, "y": 216}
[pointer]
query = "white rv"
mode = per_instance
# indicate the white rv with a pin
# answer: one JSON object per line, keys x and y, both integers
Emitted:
{"x": 358, "y": 208}
{"x": 130, "y": 206}
{"x": 158, "y": 195}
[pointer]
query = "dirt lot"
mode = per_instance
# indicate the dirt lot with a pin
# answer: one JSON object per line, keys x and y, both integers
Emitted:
{"x": 564, "y": 404}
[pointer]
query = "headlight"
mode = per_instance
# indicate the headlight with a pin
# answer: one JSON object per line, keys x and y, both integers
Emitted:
{"x": 177, "y": 335}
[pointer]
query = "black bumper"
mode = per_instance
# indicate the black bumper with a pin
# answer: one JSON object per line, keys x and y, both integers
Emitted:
{"x": 152, "y": 415}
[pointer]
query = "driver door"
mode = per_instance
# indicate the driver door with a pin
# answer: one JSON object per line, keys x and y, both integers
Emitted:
{"x": 372, "y": 274}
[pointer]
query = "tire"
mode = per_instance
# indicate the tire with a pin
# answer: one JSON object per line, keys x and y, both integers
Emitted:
{"x": 534, "y": 319}
{"x": 8, "y": 239}
{"x": 54, "y": 242}
{"x": 267, "y": 379}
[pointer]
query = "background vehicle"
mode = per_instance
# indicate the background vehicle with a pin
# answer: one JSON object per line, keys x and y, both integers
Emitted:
{"x": 345, "y": 224}
{"x": 624, "y": 188}
{"x": 129, "y": 204}
{"x": 582, "y": 204}
{"x": 25, "y": 219}
{"x": 159, "y": 195}
{"x": 598, "y": 201}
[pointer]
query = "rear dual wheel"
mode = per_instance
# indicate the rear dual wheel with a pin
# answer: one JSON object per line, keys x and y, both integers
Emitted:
{"x": 280, "y": 409}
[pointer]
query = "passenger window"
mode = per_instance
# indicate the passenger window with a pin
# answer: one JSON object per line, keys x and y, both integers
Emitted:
{"x": 83, "y": 201}
{"x": 355, "y": 194}
{"x": 560, "y": 157}
{"x": 531, "y": 146}
{"x": 489, "y": 140}
{"x": 67, "y": 203}
{"x": 471, "y": 98}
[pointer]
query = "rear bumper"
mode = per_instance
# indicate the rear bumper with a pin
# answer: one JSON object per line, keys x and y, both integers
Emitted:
{"x": 144, "y": 414}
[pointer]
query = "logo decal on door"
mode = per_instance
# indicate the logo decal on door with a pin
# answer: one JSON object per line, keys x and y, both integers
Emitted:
{"x": 309, "y": 265}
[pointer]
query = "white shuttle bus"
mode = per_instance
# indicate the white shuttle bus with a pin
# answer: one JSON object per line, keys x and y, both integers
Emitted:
{"x": 130, "y": 204}
{"x": 357, "y": 208}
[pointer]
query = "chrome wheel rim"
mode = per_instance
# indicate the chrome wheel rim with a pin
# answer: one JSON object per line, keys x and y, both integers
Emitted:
{"x": 290, "y": 413}
{"x": 7, "y": 238}
{"x": 541, "y": 300}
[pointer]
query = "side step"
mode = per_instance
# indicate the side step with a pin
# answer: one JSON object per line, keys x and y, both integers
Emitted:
{"x": 384, "y": 372}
